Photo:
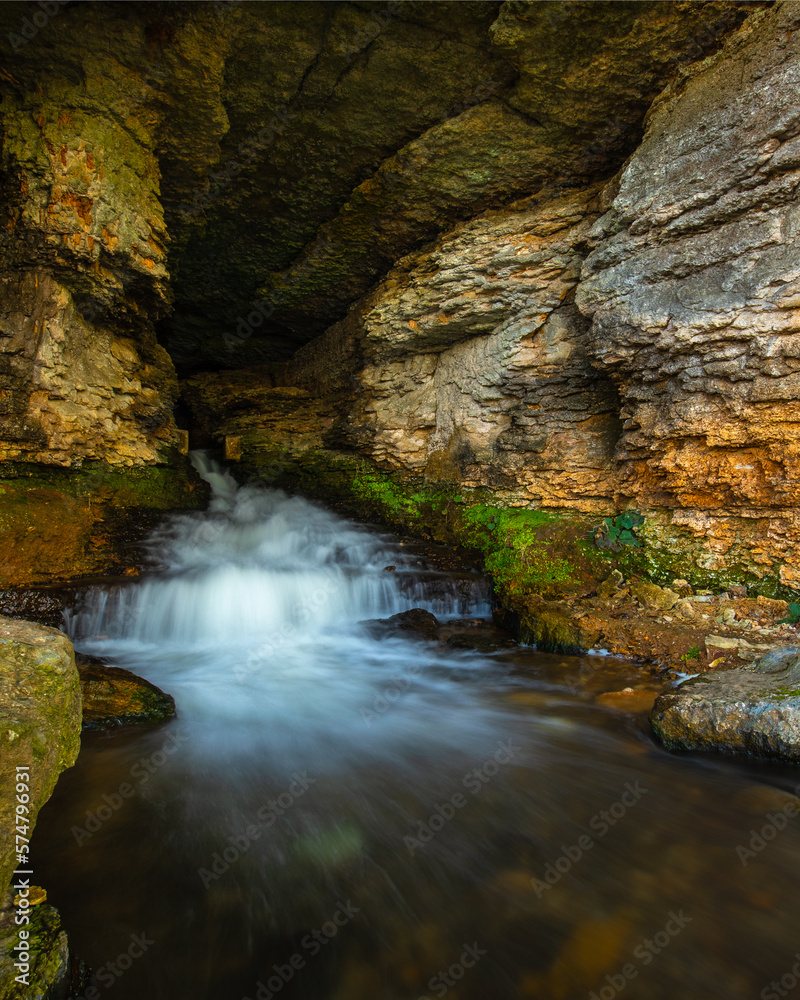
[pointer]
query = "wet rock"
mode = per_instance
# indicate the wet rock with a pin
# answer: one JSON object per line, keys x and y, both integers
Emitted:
{"x": 40, "y": 713}
{"x": 113, "y": 696}
{"x": 753, "y": 710}
{"x": 737, "y": 591}
{"x": 416, "y": 620}
{"x": 682, "y": 588}
{"x": 40, "y": 719}
{"x": 653, "y": 596}
{"x": 32, "y": 605}
{"x": 553, "y": 628}
{"x": 64, "y": 525}
{"x": 55, "y": 973}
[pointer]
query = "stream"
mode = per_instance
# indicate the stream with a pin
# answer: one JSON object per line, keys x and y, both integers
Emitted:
{"x": 343, "y": 813}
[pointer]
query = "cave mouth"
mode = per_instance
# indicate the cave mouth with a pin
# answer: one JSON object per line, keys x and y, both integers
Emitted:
{"x": 489, "y": 311}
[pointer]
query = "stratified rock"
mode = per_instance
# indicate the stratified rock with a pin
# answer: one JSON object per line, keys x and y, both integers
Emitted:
{"x": 40, "y": 720}
{"x": 694, "y": 298}
{"x": 113, "y": 696}
{"x": 466, "y": 365}
{"x": 293, "y": 153}
{"x": 754, "y": 711}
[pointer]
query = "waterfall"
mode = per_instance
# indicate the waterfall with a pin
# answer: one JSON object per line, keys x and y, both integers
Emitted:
{"x": 254, "y": 614}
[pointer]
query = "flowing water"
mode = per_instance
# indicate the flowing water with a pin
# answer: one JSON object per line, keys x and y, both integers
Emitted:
{"x": 338, "y": 813}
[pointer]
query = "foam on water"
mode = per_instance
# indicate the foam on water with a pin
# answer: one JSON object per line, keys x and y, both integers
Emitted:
{"x": 253, "y": 626}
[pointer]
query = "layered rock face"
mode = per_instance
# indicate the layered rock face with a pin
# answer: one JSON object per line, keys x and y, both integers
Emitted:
{"x": 693, "y": 293}
{"x": 441, "y": 274}
{"x": 471, "y": 365}
{"x": 84, "y": 281}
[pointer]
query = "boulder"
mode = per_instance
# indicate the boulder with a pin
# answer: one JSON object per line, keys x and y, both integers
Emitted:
{"x": 754, "y": 710}
{"x": 40, "y": 721}
{"x": 40, "y": 724}
{"x": 113, "y": 696}
{"x": 54, "y": 972}
{"x": 416, "y": 620}
{"x": 652, "y": 596}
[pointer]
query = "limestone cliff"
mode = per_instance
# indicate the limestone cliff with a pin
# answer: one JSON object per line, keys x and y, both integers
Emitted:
{"x": 692, "y": 288}
{"x": 84, "y": 281}
{"x": 629, "y": 344}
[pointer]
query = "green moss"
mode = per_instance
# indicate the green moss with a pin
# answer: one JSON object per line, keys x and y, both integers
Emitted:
{"x": 49, "y": 969}
{"x": 150, "y": 487}
{"x": 526, "y": 551}
{"x": 783, "y": 693}
{"x": 530, "y": 553}
{"x": 669, "y": 552}
{"x": 58, "y": 524}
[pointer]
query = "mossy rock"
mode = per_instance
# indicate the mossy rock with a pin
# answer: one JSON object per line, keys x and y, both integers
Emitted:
{"x": 60, "y": 525}
{"x": 54, "y": 974}
{"x": 113, "y": 696}
{"x": 40, "y": 721}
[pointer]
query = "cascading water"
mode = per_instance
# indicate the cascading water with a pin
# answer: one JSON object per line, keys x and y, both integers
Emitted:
{"x": 256, "y": 619}
{"x": 340, "y": 814}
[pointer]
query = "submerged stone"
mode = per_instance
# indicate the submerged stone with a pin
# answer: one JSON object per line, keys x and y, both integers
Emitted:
{"x": 754, "y": 710}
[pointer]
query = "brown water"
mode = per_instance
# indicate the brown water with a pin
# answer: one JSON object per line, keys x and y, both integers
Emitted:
{"x": 642, "y": 844}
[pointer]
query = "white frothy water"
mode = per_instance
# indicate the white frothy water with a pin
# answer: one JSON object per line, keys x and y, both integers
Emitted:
{"x": 253, "y": 626}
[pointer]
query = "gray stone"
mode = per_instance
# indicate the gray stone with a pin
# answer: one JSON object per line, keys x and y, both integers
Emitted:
{"x": 753, "y": 710}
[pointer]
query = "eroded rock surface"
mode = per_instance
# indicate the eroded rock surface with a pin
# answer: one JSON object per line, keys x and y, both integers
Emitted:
{"x": 628, "y": 345}
{"x": 753, "y": 711}
{"x": 292, "y": 153}
{"x": 84, "y": 269}
{"x": 693, "y": 293}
